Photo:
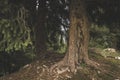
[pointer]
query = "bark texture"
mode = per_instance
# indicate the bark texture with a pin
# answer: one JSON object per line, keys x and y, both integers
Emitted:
{"x": 77, "y": 52}
{"x": 78, "y": 35}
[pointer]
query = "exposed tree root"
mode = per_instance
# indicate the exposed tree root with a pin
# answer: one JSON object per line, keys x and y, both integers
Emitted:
{"x": 96, "y": 66}
{"x": 62, "y": 67}
{"x": 57, "y": 67}
{"x": 60, "y": 70}
{"x": 92, "y": 63}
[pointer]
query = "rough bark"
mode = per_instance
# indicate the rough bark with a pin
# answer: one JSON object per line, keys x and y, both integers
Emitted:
{"x": 77, "y": 52}
{"x": 79, "y": 34}
{"x": 40, "y": 34}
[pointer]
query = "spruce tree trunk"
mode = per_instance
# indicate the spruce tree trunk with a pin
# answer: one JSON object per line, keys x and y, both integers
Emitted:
{"x": 40, "y": 33}
{"x": 77, "y": 52}
{"x": 78, "y": 34}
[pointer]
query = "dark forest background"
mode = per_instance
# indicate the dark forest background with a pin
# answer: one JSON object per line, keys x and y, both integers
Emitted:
{"x": 19, "y": 24}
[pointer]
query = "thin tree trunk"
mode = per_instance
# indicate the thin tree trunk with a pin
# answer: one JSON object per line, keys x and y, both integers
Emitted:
{"x": 40, "y": 33}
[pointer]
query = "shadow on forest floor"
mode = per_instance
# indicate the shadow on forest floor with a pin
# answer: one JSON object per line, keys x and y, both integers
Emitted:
{"x": 33, "y": 71}
{"x": 110, "y": 64}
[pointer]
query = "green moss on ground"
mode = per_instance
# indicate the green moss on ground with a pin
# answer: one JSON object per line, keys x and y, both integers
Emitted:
{"x": 110, "y": 66}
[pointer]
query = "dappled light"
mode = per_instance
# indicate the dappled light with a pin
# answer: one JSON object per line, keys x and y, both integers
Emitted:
{"x": 59, "y": 40}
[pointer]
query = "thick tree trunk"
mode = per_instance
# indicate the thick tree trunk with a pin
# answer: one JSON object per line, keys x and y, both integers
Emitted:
{"x": 78, "y": 35}
{"x": 77, "y": 52}
{"x": 40, "y": 33}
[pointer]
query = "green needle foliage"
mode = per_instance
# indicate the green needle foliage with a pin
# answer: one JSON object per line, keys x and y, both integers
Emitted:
{"x": 14, "y": 30}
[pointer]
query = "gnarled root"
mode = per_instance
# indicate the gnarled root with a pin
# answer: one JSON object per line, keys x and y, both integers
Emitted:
{"x": 92, "y": 64}
{"x": 58, "y": 68}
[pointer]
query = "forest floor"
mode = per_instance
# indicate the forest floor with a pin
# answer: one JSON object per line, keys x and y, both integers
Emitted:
{"x": 39, "y": 69}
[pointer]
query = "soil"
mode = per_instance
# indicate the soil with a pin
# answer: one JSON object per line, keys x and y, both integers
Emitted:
{"x": 39, "y": 69}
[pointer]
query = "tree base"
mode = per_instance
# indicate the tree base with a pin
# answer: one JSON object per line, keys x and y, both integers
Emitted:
{"x": 63, "y": 67}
